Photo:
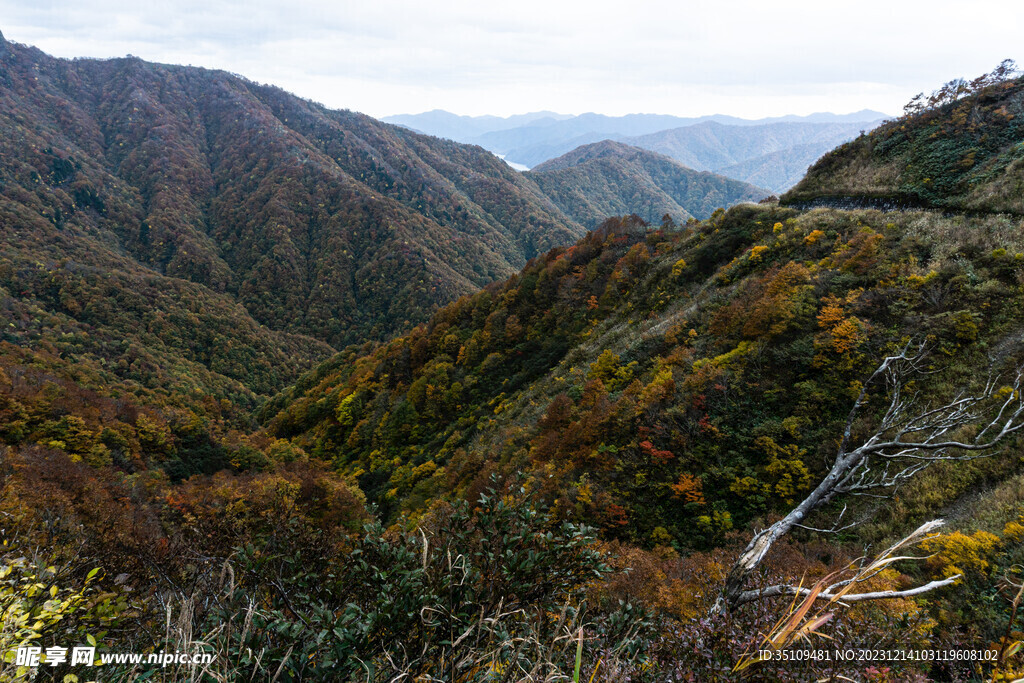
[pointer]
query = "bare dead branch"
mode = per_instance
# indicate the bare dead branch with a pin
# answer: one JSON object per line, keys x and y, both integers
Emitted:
{"x": 909, "y": 438}
{"x": 774, "y": 591}
{"x": 801, "y": 622}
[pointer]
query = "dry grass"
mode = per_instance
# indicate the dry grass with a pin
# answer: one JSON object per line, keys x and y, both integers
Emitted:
{"x": 803, "y": 619}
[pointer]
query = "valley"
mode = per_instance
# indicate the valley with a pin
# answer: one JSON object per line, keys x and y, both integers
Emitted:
{"x": 773, "y": 153}
{"x": 328, "y": 398}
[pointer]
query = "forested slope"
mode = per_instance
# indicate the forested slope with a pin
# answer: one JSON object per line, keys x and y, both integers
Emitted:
{"x": 175, "y": 237}
{"x": 623, "y": 370}
{"x": 581, "y": 448}
{"x": 678, "y": 388}
{"x": 325, "y": 223}
{"x": 178, "y": 244}
{"x": 608, "y": 178}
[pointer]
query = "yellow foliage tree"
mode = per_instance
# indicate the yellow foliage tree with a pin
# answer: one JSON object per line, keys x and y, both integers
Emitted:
{"x": 34, "y": 606}
{"x": 786, "y": 473}
{"x": 842, "y": 336}
{"x": 957, "y": 553}
{"x": 757, "y": 252}
{"x": 607, "y": 369}
{"x": 814, "y": 236}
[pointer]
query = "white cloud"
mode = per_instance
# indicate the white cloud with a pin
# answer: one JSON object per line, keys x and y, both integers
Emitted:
{"x": 738, "y": 57}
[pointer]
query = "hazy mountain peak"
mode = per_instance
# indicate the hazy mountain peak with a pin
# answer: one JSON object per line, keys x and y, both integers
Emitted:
{"x": 595, "y": 150}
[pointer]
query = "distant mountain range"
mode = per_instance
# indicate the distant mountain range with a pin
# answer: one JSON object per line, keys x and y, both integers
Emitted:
{"x": 464, "y": 128}
{"x": 770, "y": 152}
{"x": 468, "y": 128}
{"x": 773, "y": 155}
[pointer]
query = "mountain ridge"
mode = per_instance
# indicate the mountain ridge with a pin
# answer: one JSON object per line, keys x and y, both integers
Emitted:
{"x": 611, "y": 178}
{"x": 156, "y": 147}
{"x": 501, "y": 123}
{"x": 773, "y": 152}
{"x": 545, "y": 138}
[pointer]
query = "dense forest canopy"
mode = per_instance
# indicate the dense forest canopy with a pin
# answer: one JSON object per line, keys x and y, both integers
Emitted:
{"x": 319, "y": 222}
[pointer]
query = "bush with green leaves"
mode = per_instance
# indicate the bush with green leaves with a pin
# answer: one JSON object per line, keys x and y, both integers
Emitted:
{"x": 484, "y": 592}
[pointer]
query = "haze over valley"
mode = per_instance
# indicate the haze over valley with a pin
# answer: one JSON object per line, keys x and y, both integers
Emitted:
{"x": 772, "y": 152}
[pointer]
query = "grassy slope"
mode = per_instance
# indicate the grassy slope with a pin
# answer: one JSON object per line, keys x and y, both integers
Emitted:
{"x": 968, "y": 155}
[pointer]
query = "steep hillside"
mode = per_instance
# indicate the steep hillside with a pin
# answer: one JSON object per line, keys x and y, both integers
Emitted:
{"x": 177, "y": 244}
{"x": 966, "y": 154}
{"x": 676, "y": 389}
{"x": 688, "y": 381}
{"x": 321, "y": 222}
{"x": 608, "y": 178}
{"x": 583, "y": 447}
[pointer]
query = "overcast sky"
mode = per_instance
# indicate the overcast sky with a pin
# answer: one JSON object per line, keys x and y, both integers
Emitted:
{"x": 740, "y": 57}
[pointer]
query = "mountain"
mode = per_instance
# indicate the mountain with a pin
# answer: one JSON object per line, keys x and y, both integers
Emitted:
{"x": 691, "y": 381}
{"x": 179, "y": 244}
{"x": 587, "y": 445}
{"x": 557, "y": 132}
{"x": 965, "y": 154}
{"x": 774, "y": 151}
{"x": 781, "y": 170}
{"x": 609, "y": 178}
{"x": 325, "y": 223}
{"x": 496, "y": 133}
{"x": 678, "y": 388}
{"x": 532, "y": 139}
{"x": 709, "y": 143}
{"x": 547, "y": 125}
